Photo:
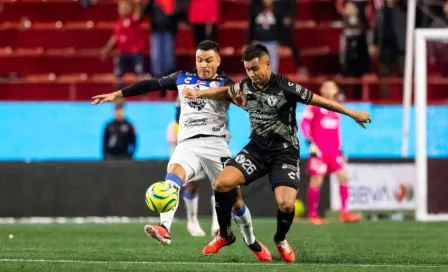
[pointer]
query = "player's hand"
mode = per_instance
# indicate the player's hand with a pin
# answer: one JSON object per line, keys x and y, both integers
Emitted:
{"x": 190, "y": 93}
{"x": 97, "y": 99}
{"x": 314, "y": 150}
{"x": 362, "y": 118}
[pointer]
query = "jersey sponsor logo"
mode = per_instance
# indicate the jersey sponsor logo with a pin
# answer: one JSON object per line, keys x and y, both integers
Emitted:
{"x": 292, "y": 175}
{"x": 197, "y": 103}
{"x": 192, "y": 122}
{"x": 288, "y": 166}
{"x": 272, "y": 100}
{"x": 301, "y": 91}
{"x": 216, "y": 129}
{"x": 290, "y": 84}
{"x": 214, "y": 84}
{"x": 256, "y": 115}
{"x": 188, "y": 80}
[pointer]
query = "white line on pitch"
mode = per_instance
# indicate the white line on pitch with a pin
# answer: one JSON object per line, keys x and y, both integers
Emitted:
{"x": 220, "y": 263}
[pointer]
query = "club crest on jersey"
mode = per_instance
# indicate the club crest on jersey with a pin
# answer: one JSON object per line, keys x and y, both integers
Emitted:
{"x": 214, "y": 84}
{"x": 197, "y": 103}
{"x": 272, "y": 100}
{"x": 240, "y": 158}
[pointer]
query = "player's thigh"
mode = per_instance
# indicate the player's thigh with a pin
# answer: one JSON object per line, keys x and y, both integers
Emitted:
{"x": 188, "y": 160}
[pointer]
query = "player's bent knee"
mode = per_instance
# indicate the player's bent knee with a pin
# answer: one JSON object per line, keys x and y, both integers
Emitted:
{"x": 222, "y": 186}
{"x": 286, "y": 206}
{"x": 177, "y": 170}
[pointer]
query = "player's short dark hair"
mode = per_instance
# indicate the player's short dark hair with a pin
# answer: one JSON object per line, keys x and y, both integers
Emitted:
{"x": 208, "y": 45}
{"x": 253, "y": 51}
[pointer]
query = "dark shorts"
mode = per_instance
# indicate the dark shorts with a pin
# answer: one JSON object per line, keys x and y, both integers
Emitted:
{"x": 129, "y": 62}
{"x": 282, "y": 165}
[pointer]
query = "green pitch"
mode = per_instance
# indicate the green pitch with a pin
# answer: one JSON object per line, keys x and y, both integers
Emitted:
{"x": 369, "y": 246}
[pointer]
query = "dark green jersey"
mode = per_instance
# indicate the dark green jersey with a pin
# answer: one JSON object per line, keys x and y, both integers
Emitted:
{"x": 272, "y": 110}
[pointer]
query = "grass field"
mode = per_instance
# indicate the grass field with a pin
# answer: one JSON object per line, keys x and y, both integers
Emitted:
{"x": 369, "y": 246}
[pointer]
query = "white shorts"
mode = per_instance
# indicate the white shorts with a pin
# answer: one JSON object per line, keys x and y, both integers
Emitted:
{"x": 201, "y": 158}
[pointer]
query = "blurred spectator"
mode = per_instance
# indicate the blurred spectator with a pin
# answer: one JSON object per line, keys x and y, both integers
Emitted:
{"x": 366, "y": 9}
{"x": 119, "y": 137}
{"x": 355, "y": 55}
{"x": 173, "y": 127}
{"x": 129, "y": 39}
{"x": 264, "y": 27}
{"x": 438, "y": 50}
{"x": 203, "y": 15}
{"x": 164, "y": 15}
{"x": 287, "y": 10}
{"x": 389, "y": 40}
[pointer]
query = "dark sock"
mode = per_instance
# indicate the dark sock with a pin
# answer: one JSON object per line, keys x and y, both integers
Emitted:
{"x": 223, "y": 206}
{"x": 255, "y": 247}
{"x": 284, "y": 221}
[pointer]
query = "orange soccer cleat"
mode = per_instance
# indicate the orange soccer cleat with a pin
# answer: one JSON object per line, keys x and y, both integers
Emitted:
{"x": 349, "y": 217}
{"x": 216, "y": 244}
{"x": 286, "y": 251}
{"x": 317, "y": 220}
{"x": 264, "y": 255}
{"x": 158, "y": 232}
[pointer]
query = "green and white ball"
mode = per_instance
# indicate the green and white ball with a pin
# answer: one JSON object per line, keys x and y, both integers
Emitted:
{"x": 161, "y": 197}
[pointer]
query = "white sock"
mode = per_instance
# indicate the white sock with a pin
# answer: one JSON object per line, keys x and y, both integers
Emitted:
{"x": 166, "y": 219}
{"x": 191, "y": 206}
{"x": 214, "y": 216}
{"x": 244, "y": 222}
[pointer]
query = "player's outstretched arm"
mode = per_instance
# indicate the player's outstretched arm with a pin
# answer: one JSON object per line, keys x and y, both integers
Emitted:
{"x": 220, "y": 93}
{"x": 141, "y": 87}
{"x": 360, "y": 117}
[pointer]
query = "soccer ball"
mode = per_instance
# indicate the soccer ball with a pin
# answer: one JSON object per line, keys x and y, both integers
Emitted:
{"x": 161, "y": 197}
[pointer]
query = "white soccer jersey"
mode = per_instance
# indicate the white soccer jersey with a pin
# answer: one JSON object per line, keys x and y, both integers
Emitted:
{"x": 199, "y": 116}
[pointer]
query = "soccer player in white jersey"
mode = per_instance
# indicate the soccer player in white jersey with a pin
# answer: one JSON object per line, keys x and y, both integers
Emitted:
{"x": 202, "y": 148}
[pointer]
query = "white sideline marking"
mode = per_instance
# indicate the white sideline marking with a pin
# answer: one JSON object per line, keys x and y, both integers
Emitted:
{"x": 221, "y": 263}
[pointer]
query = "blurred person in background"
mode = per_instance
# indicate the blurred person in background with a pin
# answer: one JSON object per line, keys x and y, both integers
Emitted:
{"x": 438, "y": 50}
{"x": 287, "y": 10}
{"x": 164, "y": 16}
{"x": 264, "y": 27}
{"x": 119, "y": 137}
{"x": 173, "y": 127}
{"x": 129, "y": 39}
{"x": 321, "y": 129}
{"x": 355, "y": 49}
{"x": 389, "y": 40}
{"x": 366, "y": 9}
{"x": 203, "y": 16}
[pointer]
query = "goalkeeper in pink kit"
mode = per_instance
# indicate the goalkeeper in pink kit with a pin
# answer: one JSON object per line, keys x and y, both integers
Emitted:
{"x": 321, "y": 129}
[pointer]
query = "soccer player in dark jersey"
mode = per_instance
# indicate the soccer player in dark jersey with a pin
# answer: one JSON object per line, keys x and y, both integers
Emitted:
{"x": 273, "y": 149}
{"x": 202, "y": 149}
